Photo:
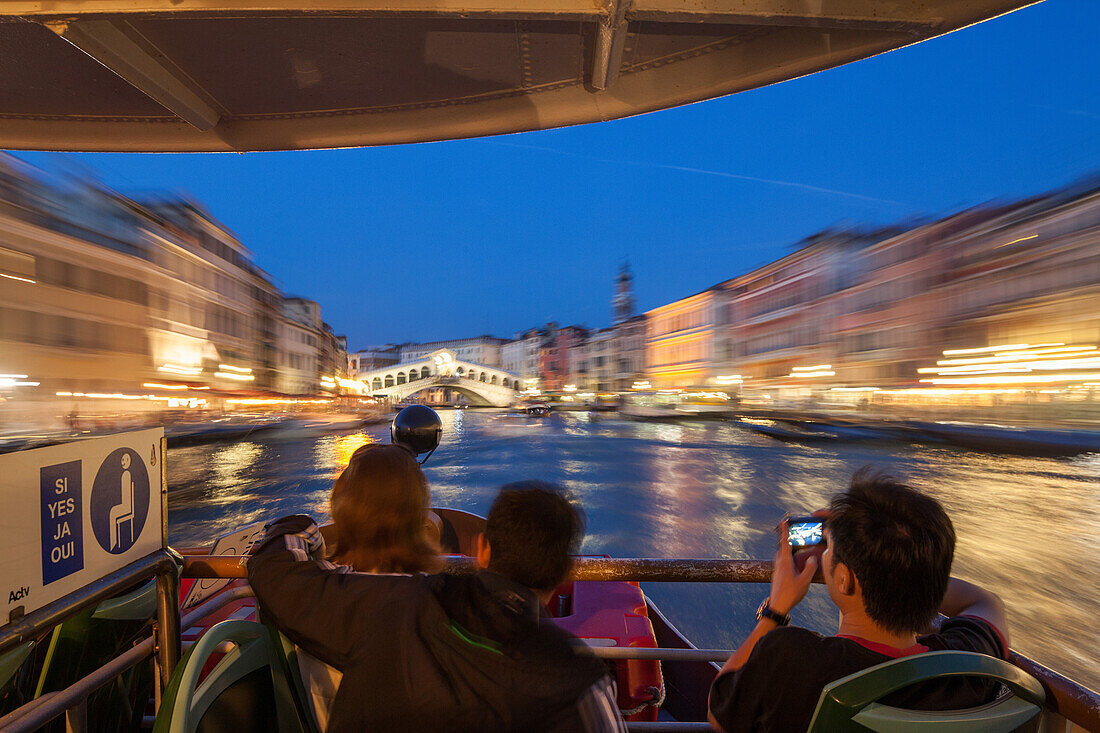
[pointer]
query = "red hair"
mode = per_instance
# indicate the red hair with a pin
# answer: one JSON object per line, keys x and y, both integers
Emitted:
{"x": 378, "y": 511}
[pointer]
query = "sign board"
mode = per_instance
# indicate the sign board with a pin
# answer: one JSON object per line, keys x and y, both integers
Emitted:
{"x": 75, "y": 512}
{"x": 237, "y": 542}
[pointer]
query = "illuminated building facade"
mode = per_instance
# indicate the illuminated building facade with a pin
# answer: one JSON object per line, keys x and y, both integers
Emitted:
{"x": 479, "y": 349}
{"x": 521, "y": 357}
{"x": 629, "y": 352}
{"x": 108, "y": 301}
{"x": 1030, "y": 274}
{"x": 782, "y": 317}
{"x": 595, "y": 361}
{"x": 556, "y": 355}
{"x": 682, "y": 340}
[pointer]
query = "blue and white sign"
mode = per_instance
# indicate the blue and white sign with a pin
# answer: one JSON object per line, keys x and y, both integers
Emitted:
{"x": 75, "y": 512}
{"x": 120, "y": 501}
{"x": 62, "y": 526}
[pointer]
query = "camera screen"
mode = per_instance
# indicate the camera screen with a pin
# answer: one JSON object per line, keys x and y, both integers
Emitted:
{"x": 804, "y": 534}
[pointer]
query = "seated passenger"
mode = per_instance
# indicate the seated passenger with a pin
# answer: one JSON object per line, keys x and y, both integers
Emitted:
{"x": 887, "y": 568}
{"x": 445, "y": 652}
{"x": 380, "y": 514}
{"x": 379, "y": 507}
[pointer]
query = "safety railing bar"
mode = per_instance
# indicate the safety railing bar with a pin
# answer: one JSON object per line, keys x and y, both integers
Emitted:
{"x": 29, "y": 707}
{"x": 109, "y": 586}
{"x": 217, "y": 602}
{"x": 1077, "y": 703}
{"x": 1071, "y": 700}
{"x": 670, "y": 726}
{"x": 62, "y": 700}
{"x": 645, "y": 569}
{"x": 76, "y": 692}
{"x": 662, "y": 653}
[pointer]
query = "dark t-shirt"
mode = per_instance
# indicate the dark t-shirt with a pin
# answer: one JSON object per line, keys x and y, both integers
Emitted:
{"x": 778, "y": 687}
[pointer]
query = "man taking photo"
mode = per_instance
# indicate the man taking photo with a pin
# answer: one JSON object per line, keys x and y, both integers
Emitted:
{"x": 887, "y": 567}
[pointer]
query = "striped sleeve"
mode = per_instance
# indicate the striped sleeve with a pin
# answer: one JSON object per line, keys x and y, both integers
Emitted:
{"x": 599, "y": 711}
{"x": 326, "y": 609}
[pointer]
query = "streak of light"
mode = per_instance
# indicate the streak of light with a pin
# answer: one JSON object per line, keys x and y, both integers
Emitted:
{"x": 20, "y": 279}
{"x": 986, "y": 349}
{"x": 179, "y": 369}
{"x": 1014, "y": 241}
{"x": 242, "y": 370}
{"x": 1028, "y": 379}
{"x": 238, "y": 377}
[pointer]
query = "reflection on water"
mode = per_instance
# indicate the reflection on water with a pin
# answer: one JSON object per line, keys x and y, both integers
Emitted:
{"x": 1028, "y": 528}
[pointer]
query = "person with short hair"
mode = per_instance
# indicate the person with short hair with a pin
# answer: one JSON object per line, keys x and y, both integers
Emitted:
{"x": 445, "y": 652}
{"x": 887, "y": 567}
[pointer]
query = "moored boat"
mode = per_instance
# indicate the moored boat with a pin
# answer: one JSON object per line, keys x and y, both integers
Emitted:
{"x": 310, "y": 426}
{"x": 796, "y": 434}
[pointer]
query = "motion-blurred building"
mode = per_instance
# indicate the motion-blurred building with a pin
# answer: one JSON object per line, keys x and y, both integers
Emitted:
{"x": 556, "y": 355}
{"x": 483, "y": 350}
{"x": 520, "y": 356}
{"x": 152, "y": 302}
{"x": 853, "y": 311}
{"x": 685, "y": 340}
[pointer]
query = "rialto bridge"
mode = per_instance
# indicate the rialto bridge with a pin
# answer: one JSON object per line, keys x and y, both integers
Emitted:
{"x": 482, "y": 385}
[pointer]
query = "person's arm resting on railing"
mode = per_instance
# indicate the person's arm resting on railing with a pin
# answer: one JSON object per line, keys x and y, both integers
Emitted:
{"x": 324, "y": 608}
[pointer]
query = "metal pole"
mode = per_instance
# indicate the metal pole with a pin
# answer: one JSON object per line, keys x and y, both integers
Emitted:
{"x": 109, "y": 586}
{"x": 168, "y": 627}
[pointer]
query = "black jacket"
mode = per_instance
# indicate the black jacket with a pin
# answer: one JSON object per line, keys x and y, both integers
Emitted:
{"x": 428, "y": 652}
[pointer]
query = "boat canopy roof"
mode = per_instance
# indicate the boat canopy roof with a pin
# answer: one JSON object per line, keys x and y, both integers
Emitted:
{"x": 238, "y": 75}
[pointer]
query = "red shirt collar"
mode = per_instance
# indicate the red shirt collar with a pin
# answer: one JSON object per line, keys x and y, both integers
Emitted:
{"x": 886, "y": 650}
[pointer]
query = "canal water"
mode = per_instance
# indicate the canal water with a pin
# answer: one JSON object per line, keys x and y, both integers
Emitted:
{"x": 1028, "y": 528}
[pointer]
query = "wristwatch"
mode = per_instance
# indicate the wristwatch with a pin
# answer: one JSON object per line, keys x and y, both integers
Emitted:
{"x": 766, "y": 611}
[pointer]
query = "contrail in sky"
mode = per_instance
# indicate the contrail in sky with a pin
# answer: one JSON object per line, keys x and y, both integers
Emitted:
{"x": 704, "y": 171}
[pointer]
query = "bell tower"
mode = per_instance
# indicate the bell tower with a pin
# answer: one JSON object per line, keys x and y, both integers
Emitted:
{"x": 622, "y": 304}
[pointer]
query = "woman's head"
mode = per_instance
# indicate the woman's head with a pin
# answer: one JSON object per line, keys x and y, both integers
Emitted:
{"x": 378, "y": 511}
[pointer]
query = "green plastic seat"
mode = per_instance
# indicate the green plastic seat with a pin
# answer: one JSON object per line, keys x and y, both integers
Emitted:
{"x": 850, "y": 704}
{"x": 87, "y": 641}
{"x": 287, "y": 653}
{"x": 11, "y": 673}
{"x": 246, "y": 690}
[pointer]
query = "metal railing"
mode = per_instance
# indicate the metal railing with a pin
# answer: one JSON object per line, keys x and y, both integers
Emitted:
{"x": 164, "y": 644}
{"x": 1065, "y": 699}
{"x": 72, "y": 700}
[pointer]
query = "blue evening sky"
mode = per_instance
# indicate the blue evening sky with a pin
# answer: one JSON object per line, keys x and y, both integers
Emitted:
{"x": 494, "y": 235}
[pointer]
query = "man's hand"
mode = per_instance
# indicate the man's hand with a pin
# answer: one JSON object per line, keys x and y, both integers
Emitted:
{"x": 789, "y": 586}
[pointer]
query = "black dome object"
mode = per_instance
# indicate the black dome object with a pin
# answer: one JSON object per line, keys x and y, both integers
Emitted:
{"x": 417, "y": 428}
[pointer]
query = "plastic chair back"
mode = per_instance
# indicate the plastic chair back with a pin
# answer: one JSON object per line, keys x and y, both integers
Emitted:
{"x": 246, "y": 690}
{"x": 11, "y": 674}
{"x": 87, "y": 641}
{"x": 287, "y": 653}
{"x": 850, "y": 704}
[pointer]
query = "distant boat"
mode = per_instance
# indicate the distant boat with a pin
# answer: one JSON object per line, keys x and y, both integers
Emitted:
{"x": 673, "y": 406}
{"x": 788, "y": 434}
{"x": 313, "y": 426}
{"x": 1016, "y": 440}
